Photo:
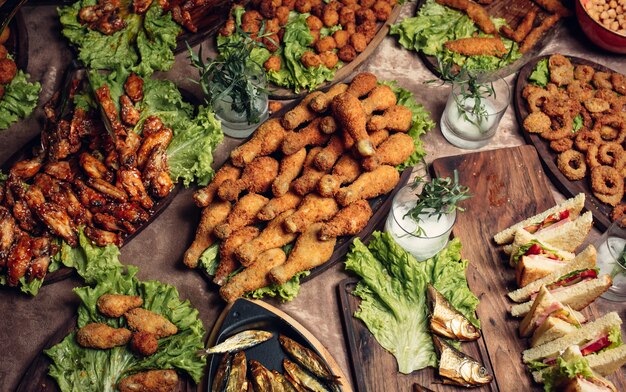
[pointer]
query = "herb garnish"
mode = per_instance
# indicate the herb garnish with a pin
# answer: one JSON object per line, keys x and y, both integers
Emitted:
{"x": 620, "y": 264}
{"x": 438, "y": 197}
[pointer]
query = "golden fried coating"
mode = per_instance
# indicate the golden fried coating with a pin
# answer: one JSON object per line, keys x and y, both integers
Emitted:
{"x": 396, "y": 149}
{"x": 310, "y": 59}
{"x": 328, "y": 125}
{"x": 228, "y": 262}
{"x": 346, "y": 15}
{"x": 8, "y": 70}
{"x": 330, "y": 17}
{"x": 204, "y": 196}
{"x": 351, "y": 116}
{"x": 382, "y": 10}
{"x": 561, "y": 70}
{"x": 369, "y": 184}
{"x": 584, "y": 73}
{"x": 311, "y": 135}
{"x": 303, "y": 6}
{"x": 212, "y": 215}
{"x": 314, "y": 23}
{"x": 396, "y": 118}
{"x": 364, "y": 15}
{"x": 115, "y": 305}
{"x": 257, "y": 177}
{"x": 101, "y": 336}
{"x": 274, "y": 106}
{"x": 150, "y": 381}
{"x": 143, "y": 320}
{"x": 273, "y": 236}
{"x": 278, "y": 205}
{"x": 326, "y": 158}
{"x": 536, "y": 33}
{"x": 358, "y": 42}
{"x": 290, "y": 167}
{"x": 554, "y": 7}
{"x": 301, "y": 113}
{"x": 228, "y": 28}
{"x": 272, "y": 64}
{"x": 314, "y": 208}
{"x": 477, "y": 46}
{"x": 253, "y": 277}
{"x": 537, "y": 122}
{"x": 347, "y": 53}
{"x": 282, "y": 14}
{"x": 362, "y": 84}
{"x": 474, "y": 11}
{"x": 341, "y": 38}
{"x": 4, "y": 35}
{"x": 265, "y": 140}
{"x": 379, "y": 99}
{"x": 345, "y": 171}
{"x": 349, "y": 220}
{"x": 242, "y": 214}
{"x": 144, "y": 343}
{"x": 308, "y": 252}
{"x": 310, "y": 174}
{"x": 329, "y": 59}
{"x": 321, "y": 102}
{"x": 522, "y": 29}
{"x": 619, "y": 82}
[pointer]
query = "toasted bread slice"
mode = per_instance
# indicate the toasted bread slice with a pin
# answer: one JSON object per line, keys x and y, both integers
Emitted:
{"x": 553, "y": 328}
{"x": 570, "y": 235}
{"x": 535, "y": 267}
{"x": 522, "y": 237}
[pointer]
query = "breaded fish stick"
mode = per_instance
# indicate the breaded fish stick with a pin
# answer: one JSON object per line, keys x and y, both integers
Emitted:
{"x": 314, "y": 208}
{"x": 348, "y": 221}
{"x": 115, "y": 305}
{"x": 242, "y": 214}
{"x": 311, "y": 135}
{"x": 228, "y": 261}
{"x": 152, "y": 380}
{"x": 351, "y": 116}
{"x": 254, "y": 277}
{"x": 273, "y": 236}
{"x": 477, "y": 46}
{"x": 522, "y": 29}
{"x": 290, "y": 167}
{"x": 532, "y": 38}
{"x": 554, "y": 7}
{"x": 301, "y": 113}
{"x": 265, "y": 140}
{"x": 101, "y": 336}
{"x": 212, "y": 216}
{"x": 321, "y": 102}
{"x": 143, "y": 320}
{"x": 308, "y": 252}
{"x": 474, "y": 11}
{"x": 368, "y": 185}
{"x": 279, "y": 205}
{"x": 393, "y": 151}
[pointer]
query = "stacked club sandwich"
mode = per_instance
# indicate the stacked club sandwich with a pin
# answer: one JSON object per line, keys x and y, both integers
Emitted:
{"x": 554, "y": 285}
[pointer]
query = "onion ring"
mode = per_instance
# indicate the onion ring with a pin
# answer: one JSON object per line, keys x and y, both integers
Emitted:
{"x": 615, "y": 121}
{"x": 587, "y": 138}
{"x": 618, "y": 212}
{"x": 611, "y": 200}
{"x": 562, "y": 145}
{"x": 606, "y": 94}
{"x": 609, "y": 153}
{"x": 592, "y": 156}
{"x": 606, "y": 180}
{"x": 597, "y": 105}
{"x": 619, "y": 82}
{"x": 584, "y": 73}
{"x": 537, "y": 99}
{"x": 602, "y": 80}
{"x": 537, "y": 122}
{"x": 566, "y": 126}
{"x": 572, "y": 164}
{"x": 580, "y": 91}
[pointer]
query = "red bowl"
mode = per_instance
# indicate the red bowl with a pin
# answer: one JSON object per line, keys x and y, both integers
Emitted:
{"x": 597, "y": 33}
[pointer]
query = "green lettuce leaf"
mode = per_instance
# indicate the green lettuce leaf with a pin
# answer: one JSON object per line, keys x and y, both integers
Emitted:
{"x": 541, "y": 74}
{"x": 285, "y": 292}
{"x": 146, "y": 44}
{"x": 80, "y": 369}
{"x": 210, "y": 259}
{"x": 615, "y": 337}
{"x": 19, "y": 99}
{"x": 566, "y": 370}
{"x": 578, "y": 123}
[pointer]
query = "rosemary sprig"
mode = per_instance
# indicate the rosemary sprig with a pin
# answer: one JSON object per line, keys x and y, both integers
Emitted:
{"x": 618, "y": 269}
{"x": 439, "y": 196}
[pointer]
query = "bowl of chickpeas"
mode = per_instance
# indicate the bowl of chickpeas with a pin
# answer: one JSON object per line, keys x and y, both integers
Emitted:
{"x": 604, "y": 22}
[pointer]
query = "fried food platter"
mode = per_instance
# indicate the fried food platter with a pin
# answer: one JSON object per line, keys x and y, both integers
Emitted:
{"x": 514, "y": 12}
{"x": 601, "y": 211}
{"x": 245, "y": 314}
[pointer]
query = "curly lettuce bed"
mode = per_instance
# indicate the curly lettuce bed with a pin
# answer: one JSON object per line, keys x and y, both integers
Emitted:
{"x": 19, "y": 99}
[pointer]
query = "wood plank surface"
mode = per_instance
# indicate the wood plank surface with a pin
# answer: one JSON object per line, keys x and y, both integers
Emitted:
{"x": 601, "y": 212}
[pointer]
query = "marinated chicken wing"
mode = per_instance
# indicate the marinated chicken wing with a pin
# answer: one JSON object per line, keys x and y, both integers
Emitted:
{"x": 27, "y": 168}
{"x": 278, "y": 205}
{"x": 130, "y": 180}
{"x": 314, "y": 208}
{"x": 103, "y": 95}
{"x": 301, "y": 113}
{"x": 134, "y": 87}
{"x": 162, "y": 138}
{"x": 308, "y": 252}
{"x": 290, "y": 167}
{"x": 273, "y": 236}
{"x": 156, "y": 174}
{"x": 18, "y": 260}
{"x": 115, "y": 305}
{"x": 395, "y": 118}
{"x": 253, "y": 277}
{"x": 321, "y": 102}
{"x": 8, "y": 233}
{"x": 326, "y": 158}
{"x": 362, "y": 84}
{"x": 41, "y": 258}
{"x": 101, "y": 336}
{"x": 129, "y": 212}
{"x": 244, "y": 213}
{"x": 108, "y": 222}
{"x": 368, "y": 185}
{"x": 265, "y": 140}
{"x": 203, "y": 197}
{"x": 107, "y": 189}
{"x": 93, "y": 167}
{"x": 67, "y": 200}
{"x": 102, "y": 237}
{"x": 257, "y": 177}
{"x": 349, "y": 220}
{"x": 311, "y": 135}
{"x": 87, "y": 196}
{"x": 351, "y": 117}
{"x": 393, "y": 151}
{"x": 150, "y": 381}
{"x": 130, "y": 114}
{"x": 146, "y": 321}
{"x": 228, "y": 261}
{"x": 61, "y": 170}
{"x": 212, "y": 215}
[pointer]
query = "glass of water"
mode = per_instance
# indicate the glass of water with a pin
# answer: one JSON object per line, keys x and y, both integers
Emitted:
{"x": 612, "y": 259}
{"x": 473, "y": 112}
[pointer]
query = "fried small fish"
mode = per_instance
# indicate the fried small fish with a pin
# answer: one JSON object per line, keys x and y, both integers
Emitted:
{"x": 457, "y": 368}
{"x": 308, "y": 359}
{"x": 302, "y": 378}
{"x": 240, "y": 341}
{"x": 279, "y": 383}
{"x": 447, "y": 321}
{"x": 237, "y": 380}
{"x": 261, "y": 377}
{"x": 221, "y": 375}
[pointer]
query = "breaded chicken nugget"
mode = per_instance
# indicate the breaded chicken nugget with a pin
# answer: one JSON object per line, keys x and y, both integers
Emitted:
{"x": 143, "y": 320}
{"x": 101, "y": 336}
{"x": 325, "y": 44}
{"x": 310, "y": 59}
{"x": 382, "y": 10}
{"x": 347, "y": 53}
{"x": 150, "y": 381}
{"x": 341, "y": 38}
{"x": 272, "y": 64}
{"x": 329, "y": 59}
{"x": 115, "y": 305}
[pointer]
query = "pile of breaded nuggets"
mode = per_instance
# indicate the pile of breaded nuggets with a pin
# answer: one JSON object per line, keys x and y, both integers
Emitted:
{"x": 305, "y": 177}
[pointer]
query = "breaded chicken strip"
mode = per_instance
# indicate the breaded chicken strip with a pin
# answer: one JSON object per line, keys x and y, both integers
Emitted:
{"x": 301, "y": 113}
{"x": 150, "y": 381}
{"x": 146, "y": 321}
{"x": 393, "y": 151}
{"x": 212, "y": 216}
{"x": 228, "y": 261}
{"x": 349, "y": 220}
{"x": 345, "y": 171}
{"x": 101, "y": 336}
{"x": 243, "y": 214}
{"x": 474, "y": 11}
{"x": 203, "y": 197}
{"x": 253, "y": 277}
{"x": 265, "y": 140}
{"x": 534, "y": 36}
{"x": 308, "y": 252}
{"x": 278, "y": 205}
{"x": 477, "y": 46}
{"x": 380, "y": 98}
{"x": 351, "y": 117}
{"x": 307, "y": 182}
{"x": 314, "y": 208}
{"x": 257, "y": 177}
{"x": 554, "y": 7}
{"x": 115, "y": 305}
{"x": 522, "y": 29}
{"x": 322, "y": 101}
{"x": 396, "y": 118}
{"x": 368, "y": 185}
{"x": 290, "y": 167}
{"x": 273, "y": 236}
{"x": 362, "y": 84}
{"x": 311, "y": 135}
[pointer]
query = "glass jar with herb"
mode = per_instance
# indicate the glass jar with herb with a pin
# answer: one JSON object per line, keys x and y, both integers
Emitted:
{"x": 423, "y": 214}
{"x": 612, "y": 259}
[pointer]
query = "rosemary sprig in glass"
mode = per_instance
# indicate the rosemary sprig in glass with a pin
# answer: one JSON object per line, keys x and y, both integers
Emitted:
{"x": 439, "y": 196}
{"x": 620, "y": 264}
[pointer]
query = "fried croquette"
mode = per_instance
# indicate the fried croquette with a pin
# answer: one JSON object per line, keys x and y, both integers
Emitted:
{"x": 346, "y": 15}
{"x": 303, "y": 6}
{"x": 282, "y": 15}
{"x": 329, "y": 59}
{"x": 273, "y": 236}
{"x": 212, "y": 215}
{"x": 144, "y": 343}
{"x": 115, "y": 305}
{"x": 310, "y": 59}
{"x": 358, "y": 42}
{"x": 272, "y": 64}
{"x": 368, "y": 185}
{"x": 350, "y": 27}
{"x": 150, "y": 381}
{"x": 228, "y": 263}
{"x": 330, "y": 17}
{"x": 341, "y": 38}
{"x": 477, "y": 46}
{"x": 267, "y": 139}
{"x": 268, "y": 8}
{"x": 325, "y": 44}
{"x": 366, "y": 3}
{"x": 396, "y": 149}
{"x": 102, "y": 336}
{"x": 143, "y": 320}
{"x": 368, "y": 29}
{"x": 8, "y": 70}
{"x": 364, "y": 15}
{"x": 382, "y": 10}
{"x": 396, "y": 118}
{"x": 314, "y": 23}
{"x": 316, "y": 36}
{"x": 349, "y": 220}
{"x": 347, "y": 53}
{"x": 351, "y": 117}
{"x": 253, "y": 277}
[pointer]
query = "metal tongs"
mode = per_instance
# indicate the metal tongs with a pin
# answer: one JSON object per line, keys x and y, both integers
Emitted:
{"x": 8, "y": 9}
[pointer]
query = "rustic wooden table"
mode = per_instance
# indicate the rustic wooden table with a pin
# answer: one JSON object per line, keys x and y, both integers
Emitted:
{"x": 27, "y": 323}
